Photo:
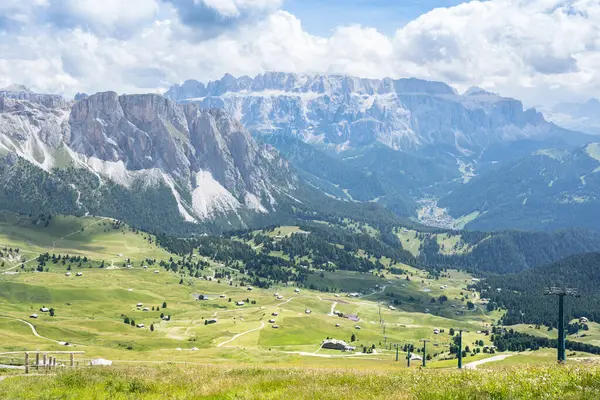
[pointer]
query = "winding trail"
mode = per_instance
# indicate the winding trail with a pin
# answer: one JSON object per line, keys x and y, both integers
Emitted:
{"x": 57, "y": 241}
{"x": 78, "y": 201}
{"x": 483, "y": 312}
{"x": 33, "y": 330}
{"x": 79, "y": 230}
{"x": 475, "y": 364}
{"x": 262, "y": 325}
{"x": 374, "y": 292}
{"x": 76, "y": 158}
{"x": 18, "y": 265}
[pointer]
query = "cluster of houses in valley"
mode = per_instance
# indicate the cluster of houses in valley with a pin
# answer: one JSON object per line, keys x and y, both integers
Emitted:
{"x": 140, "y": 307}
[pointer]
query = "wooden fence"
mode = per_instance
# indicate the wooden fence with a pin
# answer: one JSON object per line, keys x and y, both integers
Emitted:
{"x": 45, "y": 361}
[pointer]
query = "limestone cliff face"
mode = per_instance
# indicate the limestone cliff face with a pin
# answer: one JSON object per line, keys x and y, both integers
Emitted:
{"x": 350, "y": 112}
{"x": 225, "y": 148}
{"x": 33, "y": 126}
{"x": 210, "y": 162}
{"x": 143, "y": 131}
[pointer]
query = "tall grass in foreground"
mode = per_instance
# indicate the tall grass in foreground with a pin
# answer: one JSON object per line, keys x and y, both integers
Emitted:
{"x": 179, "y": 382}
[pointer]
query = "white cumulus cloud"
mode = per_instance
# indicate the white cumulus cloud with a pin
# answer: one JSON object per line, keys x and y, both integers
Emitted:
{"x": 539, "y": 50}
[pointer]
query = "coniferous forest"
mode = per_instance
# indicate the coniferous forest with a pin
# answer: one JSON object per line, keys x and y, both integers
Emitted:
{"x": 522, "y": 294}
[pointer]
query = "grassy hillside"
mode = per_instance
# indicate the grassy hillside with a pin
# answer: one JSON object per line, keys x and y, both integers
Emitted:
{"x": 96, "y": 238}
{"x": 179, "y": 382}
{"x": 90, "y": 310}
{"x": 397, "y": 304}
{"x": 89, "y": 313}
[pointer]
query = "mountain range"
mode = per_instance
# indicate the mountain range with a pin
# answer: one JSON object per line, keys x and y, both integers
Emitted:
{"x": 347, "y": 112}
{"x": 396, "y": 142}
{"x": 240, "y": 150}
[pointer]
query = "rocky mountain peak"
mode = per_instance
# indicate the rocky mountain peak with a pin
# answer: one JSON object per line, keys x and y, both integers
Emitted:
{"x": 80, "y": 96}
{"x": 21, "y": 92}
{"x": 16, "y": 88}
{"x": 304, "y": 83}
{"x": 349, "y": 112}
{"x": 414, "y": 85}
{"x": 477, "y": 91}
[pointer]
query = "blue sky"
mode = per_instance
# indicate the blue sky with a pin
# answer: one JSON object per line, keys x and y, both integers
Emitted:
{"x": 320, "y": 17}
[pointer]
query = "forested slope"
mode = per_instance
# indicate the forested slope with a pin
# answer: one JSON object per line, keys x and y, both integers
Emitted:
{"x": 522, "y": 294}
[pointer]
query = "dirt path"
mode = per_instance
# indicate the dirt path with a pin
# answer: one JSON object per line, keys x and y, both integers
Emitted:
{"x": 483, "y": 312}
{"x": 262, "y": 325}
{"x": 33, "y": 330}
{"x": 18, "y": 265}
{"x": 332, "y": 308}
{"x": 251, "y": 330}
{"x": 305, "y": 353}
{"x": 475, "y": 364}
{"x": 374, "y": 292}
{"x": 79, "y": 230}
{"x": 253, "y": 308}
{"x": 36, "y": 334}
{"x": 56, "y": 241}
